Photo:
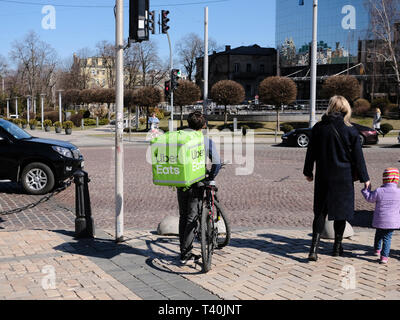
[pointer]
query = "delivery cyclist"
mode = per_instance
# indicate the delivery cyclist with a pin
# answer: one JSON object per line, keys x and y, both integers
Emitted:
{"x": 190, "y": 198}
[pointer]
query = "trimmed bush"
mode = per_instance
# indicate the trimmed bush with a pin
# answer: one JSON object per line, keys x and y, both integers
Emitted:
{"x": 285, "y": 127}
{"x": 77, "y": 119}
{"x": 57, "y": 124}
{"x": 103, "y": 121}
{"x": 47, "y": 123}
{"x": 361, "y": 107}
{"x": 68, "y": 125}
{"x": 386, "y": 128}
{"x": 89, "y": 122}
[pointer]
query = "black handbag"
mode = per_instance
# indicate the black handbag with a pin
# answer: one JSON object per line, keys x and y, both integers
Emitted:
{"x": 354, "y": 171}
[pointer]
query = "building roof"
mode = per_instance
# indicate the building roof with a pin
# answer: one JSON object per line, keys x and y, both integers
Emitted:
{"x": 247, "y": 50}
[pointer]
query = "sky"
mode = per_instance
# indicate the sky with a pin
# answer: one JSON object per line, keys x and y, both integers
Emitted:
{"x": 82, "y": 24}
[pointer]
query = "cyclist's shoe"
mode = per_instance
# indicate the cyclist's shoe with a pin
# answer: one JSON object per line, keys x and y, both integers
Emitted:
{"x": 184, "y": 260}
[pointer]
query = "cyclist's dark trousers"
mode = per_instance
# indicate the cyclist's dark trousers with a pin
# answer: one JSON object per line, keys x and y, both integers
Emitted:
{"x": 190, "y": 202}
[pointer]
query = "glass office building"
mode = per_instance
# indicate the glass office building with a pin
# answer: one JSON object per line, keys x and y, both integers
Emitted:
{"x": 341, "y": 24}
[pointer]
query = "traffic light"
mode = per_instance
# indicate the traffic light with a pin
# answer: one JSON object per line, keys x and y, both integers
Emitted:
{"x": 175, "y": 74}
{"x": 151, "y": 22}
{"x": 164, "y": 21}
{"x": 166, "y": 88}
{"x": 138, "y": 30}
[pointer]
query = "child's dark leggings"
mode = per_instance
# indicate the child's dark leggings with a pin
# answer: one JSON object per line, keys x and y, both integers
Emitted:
{"x": 319, "y": 223}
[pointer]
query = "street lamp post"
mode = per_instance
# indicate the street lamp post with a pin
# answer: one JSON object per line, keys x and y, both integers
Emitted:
{"x": 42, "y": 107}
{"x": 60, "y": 106}
{"x": 27, "y": 108}
{"x": 16, "y": 107}
{"x": 8, "y": 108}
{"x": 313, "y": 91}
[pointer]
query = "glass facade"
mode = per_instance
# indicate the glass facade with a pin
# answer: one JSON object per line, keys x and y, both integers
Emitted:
{"x": 341, "y": 24}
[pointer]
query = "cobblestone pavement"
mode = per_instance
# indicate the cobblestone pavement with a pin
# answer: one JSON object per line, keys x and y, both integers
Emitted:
{"x": 263, "y": 264}
{"x": 275, "y": 194}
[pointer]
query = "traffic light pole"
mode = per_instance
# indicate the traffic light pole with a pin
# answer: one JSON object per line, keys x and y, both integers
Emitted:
{"x": 313, "y": 92}
{"x": 119, "y": 123}
{"x": 171, "y": 123}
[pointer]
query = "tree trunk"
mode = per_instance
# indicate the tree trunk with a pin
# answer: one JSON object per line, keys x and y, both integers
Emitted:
{"x": 225, "y": 117}
{"x": 147, "y": 119}
{"x": 181, "y": 117}
{"x": 277, "y": 122}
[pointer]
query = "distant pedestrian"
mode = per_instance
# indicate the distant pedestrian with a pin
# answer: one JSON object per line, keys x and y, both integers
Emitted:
{"x": 376, "y": 123}
{"x": 387, "y": 211}
{"x": 154, "y": 121}
{"x": 336, "y": 150}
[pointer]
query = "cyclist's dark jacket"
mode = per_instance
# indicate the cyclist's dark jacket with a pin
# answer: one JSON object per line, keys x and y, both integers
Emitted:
{"x": 212, "y": 152}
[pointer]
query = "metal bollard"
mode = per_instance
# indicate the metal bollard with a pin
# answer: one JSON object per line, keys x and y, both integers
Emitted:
{"x": 84, "y": 226}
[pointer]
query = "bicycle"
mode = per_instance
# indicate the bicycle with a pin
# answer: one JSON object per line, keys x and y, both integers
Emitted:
{"x": 210, "y": 220}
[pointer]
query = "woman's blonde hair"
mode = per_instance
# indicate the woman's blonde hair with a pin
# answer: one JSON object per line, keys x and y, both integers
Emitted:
{"x": 339, "y": 104}
{"x": 378, "y": 110}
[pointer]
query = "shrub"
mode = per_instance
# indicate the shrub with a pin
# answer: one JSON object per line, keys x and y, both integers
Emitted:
{"x": 361, "y": 107}
{"x": 89, "y": 122}
{"x": 386, "y": 128}
{"x": 23, "y": 121}
{"x": 142, "y": 120}
{"x": 86, "y": 114}
{"x": 33, "y": 122}
{"x": 16, "y": 121}
{"x": 285, "y": 127}
{"x": 68, "y": 125}
{"x": 47, "y": 123}
{"x": 57, "y": 124}
{"x": 103, "y": 121}
{"x": 52, "y": 115}
{"x": 381, "y": 103}
{"x": 77, "y": 119}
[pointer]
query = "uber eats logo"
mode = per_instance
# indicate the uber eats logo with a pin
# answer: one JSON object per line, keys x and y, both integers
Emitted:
{"x": 166, "y": 164}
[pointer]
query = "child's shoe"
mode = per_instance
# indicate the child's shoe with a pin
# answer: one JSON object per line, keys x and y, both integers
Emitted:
{"x": 384, "y": 260}
{"x": 377, "y": 253}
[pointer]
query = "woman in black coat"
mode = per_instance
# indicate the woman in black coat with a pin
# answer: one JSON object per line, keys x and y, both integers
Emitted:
{"x": 334, "y": 188}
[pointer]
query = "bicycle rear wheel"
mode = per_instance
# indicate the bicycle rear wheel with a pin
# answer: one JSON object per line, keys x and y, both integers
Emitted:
{"x": 224, "y": 229}
{"x": 208, "y": 236}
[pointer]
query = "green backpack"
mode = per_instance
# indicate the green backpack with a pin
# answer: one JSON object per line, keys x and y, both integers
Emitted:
{"x": 178, "y": 158}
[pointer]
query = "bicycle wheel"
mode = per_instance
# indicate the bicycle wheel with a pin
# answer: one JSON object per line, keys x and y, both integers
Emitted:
{"x": 223, "y": 226}
{"x": 208, "y": 236}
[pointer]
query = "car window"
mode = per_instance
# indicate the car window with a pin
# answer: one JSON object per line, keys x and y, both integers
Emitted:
{"x": 14, "y": 130}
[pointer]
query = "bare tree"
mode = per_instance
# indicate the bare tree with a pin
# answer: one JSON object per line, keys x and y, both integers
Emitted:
{"x": 106, "y": 52}
{"x": 385, "y": 27}
{"x": 132, "y": 67}
{"x": 187, "y": 93}
{"x": 190, "y": 47}
{"x": 36, "y": 61}
{"x": 148, "y": 59}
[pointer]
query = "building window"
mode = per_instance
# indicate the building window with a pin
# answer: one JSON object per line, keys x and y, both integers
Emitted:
{"x": 248, "y": 67}
{"x": 262, "y": 68}
{"x": 236, "y": 67}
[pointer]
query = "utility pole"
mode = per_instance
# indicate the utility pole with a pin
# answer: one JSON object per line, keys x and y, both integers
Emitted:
{"x": 313, "y": 91}
{"x": 205, "y": 67}
{"x": 119, "y": 123}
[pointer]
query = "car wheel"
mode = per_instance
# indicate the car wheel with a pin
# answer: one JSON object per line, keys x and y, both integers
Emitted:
{"x": 37, "y": 178}
{"x": 303, "y": 140}
{"x": 362, "y": 140}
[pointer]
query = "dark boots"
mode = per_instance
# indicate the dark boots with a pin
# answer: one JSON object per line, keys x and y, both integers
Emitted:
{"x": 337, "y": 246}
{"x": 314, "y": 247}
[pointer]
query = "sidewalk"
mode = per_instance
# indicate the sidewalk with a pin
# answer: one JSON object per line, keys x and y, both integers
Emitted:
{"x": 104, "y": 136}
{"x": 258, "y": 265}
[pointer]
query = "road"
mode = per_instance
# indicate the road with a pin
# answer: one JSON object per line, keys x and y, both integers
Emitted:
{"x": 274, "y": 194}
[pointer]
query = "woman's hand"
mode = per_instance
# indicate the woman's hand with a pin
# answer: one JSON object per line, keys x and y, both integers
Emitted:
{"x": 367, "y": 184}
{"x": 309, "y": 179}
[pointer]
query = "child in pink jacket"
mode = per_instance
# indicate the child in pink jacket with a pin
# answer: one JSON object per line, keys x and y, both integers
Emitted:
{"x": 387, "y": 211}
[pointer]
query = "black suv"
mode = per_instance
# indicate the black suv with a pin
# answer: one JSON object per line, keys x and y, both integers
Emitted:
{"x": 39, "y": 164}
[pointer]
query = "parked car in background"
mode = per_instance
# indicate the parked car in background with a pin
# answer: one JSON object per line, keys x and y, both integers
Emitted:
{"x": 38, "y": 164}
{"x": 301, "y": 137}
